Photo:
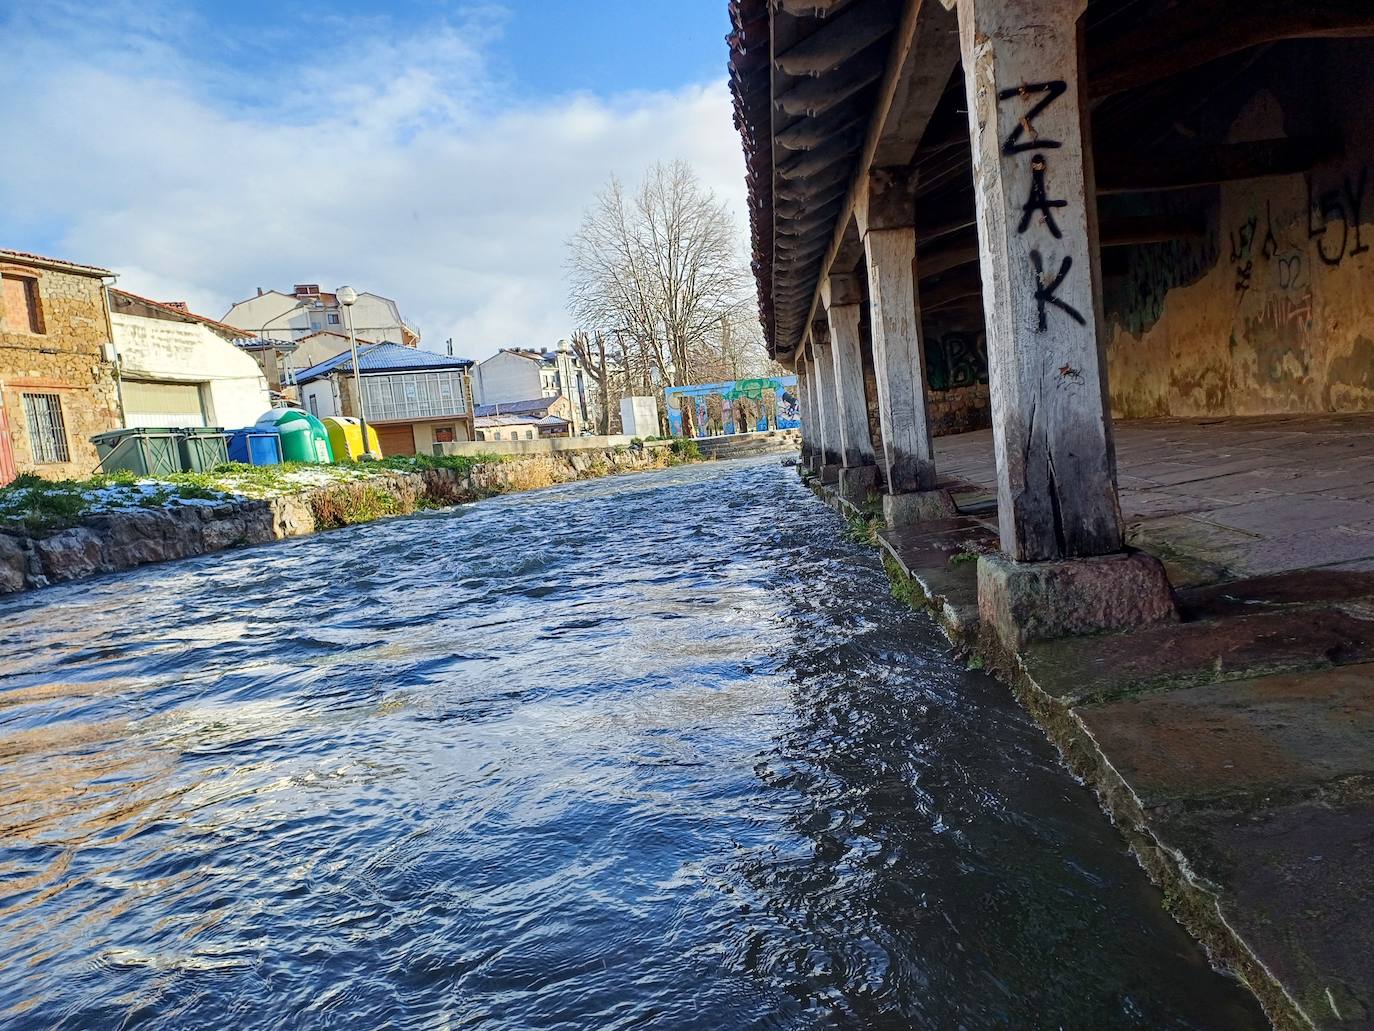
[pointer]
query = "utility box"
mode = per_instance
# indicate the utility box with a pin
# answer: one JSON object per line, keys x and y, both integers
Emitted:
{"x": 144, "y": 451}
{"x": 639, "y": 416}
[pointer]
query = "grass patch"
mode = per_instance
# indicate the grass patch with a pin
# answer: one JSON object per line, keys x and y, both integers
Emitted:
{"x": 38, "y": 506}
{"x": 682, "y": 451}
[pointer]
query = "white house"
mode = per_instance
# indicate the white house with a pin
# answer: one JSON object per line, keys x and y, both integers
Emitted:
{"x": 308, "y": 310}
{"x": 181, "y": 369}
{"x": 517, "y": 374}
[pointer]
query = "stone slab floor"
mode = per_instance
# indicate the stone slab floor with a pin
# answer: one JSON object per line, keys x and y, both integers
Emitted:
{"x": 1246, "y": 730}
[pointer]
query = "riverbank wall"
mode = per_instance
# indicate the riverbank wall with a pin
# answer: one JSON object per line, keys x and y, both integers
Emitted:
{"x": 111, "y": 541}
{"x": 1230, "y": 749}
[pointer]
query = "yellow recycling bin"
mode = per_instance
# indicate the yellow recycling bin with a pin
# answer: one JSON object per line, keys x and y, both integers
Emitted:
{"x": 346, "y": 438}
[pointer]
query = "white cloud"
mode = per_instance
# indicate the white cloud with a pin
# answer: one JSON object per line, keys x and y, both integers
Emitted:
{"x": 198, "y": 183}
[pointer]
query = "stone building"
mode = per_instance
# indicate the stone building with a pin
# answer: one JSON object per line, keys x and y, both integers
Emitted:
{"x": 57, "y": 380}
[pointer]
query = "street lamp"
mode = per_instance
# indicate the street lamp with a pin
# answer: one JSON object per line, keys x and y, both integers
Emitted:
{"x": 348, "y": 297}
{"x": 262, "y": 333}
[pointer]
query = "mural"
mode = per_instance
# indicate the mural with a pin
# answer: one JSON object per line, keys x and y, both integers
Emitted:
{"x": 739, "y": 406}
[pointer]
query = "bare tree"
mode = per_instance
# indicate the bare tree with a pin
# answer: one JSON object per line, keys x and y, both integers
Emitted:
{"x": 659, "y": 274}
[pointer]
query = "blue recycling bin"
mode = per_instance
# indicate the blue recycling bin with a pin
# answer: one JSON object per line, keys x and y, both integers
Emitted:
{"x": 255, "y": 447}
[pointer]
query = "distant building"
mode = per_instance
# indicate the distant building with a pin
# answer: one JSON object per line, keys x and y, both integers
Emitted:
{"x": 521, "y": 427}
{"x": 414, "y": 398}
{"x": 308, "y": 310}
{"x": 518, "y": 374}
{"x": 177, "y": 368}
{"x": 57, "y": 374}
{"x": 525, "y": 420}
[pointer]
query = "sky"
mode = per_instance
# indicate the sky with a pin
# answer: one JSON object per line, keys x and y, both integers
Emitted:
{"x": 439, "y": 153}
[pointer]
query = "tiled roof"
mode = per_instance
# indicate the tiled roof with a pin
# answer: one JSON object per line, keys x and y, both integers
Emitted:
{"x": 93, "y": 270}
{"x": 385, "y": 357}
{"x": 181, "y": 313}
{"x": 530, "y": 407}
{"x": 489, "y": 421}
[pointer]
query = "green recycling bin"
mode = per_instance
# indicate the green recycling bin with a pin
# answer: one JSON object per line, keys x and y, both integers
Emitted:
{"x": 303, "y": 437}
{"x": 202, "y": 448}
{"x": 142, "y": 450}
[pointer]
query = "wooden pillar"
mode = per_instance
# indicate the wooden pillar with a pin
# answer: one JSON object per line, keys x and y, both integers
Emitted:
{"x": 830, "y": 447}
{"x": 840, "y": 295}
{"x": 1037, "y": 235}
{"x": 887, "y": 221}
{"x": 808, "y": 427}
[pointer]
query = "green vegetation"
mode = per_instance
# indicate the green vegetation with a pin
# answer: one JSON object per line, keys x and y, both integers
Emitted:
{"x": 861, "y": 529}
{"x": 36, "y": 505}
{"x": 682, "y": 451}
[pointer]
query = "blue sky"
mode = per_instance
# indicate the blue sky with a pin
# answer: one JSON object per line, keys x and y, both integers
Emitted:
{"x": 440, "y": 153}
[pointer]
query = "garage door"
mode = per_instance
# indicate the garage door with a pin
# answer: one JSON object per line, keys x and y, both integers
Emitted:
{"x": 396, "y": 440}
{"x": 148, "y": 403}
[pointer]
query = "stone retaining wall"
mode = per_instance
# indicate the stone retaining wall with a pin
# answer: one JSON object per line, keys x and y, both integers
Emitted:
{"x": 121, "y": 540}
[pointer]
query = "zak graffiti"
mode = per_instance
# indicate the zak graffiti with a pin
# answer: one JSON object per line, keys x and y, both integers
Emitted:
{"x": 739, "y": 406}
{"x": 1051, "y": 272}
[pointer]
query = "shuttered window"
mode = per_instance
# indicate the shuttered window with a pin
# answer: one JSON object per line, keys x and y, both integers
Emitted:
{"x": 147, "y": 403}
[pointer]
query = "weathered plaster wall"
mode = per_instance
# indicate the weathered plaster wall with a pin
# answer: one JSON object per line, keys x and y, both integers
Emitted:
{"x": 158, "y": 349}
{"x": 1274, "y": 311}
{"x": 65, "y": 359}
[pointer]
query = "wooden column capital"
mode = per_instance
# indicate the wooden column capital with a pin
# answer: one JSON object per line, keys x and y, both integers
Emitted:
{"x": 886, "y": 199}
{"x": 840, "y": 290}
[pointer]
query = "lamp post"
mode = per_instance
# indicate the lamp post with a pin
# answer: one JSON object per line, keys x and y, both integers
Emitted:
{"x": 348, "y": 297}
{"x": 298, "y": 306}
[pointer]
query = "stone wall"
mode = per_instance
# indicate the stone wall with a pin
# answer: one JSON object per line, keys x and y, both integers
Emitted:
{"x": 114, "y": 541}
{"x": 1272, "y": 310}
{"x": 65, "y": 359}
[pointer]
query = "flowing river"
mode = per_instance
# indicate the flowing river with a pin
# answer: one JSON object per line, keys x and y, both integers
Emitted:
{"x": 655, "y": 751}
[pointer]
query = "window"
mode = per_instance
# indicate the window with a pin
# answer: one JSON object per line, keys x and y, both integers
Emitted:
{"x": 415, "y": 395}
{"x": 498, "y": 435}
{"x": 19, "y": 310}
{"x": 444, "y": 435}
{"x": 314, "y": 405}
{"x": 529, "y": 434}
{"x": 47, "y": 431}
{"x": 333, "y": 318}
{"x": 481, "y": 434}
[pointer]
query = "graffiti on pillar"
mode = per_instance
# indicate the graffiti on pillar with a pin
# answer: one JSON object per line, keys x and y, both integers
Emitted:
{"x": 1039, "y": 200}
{"x": 1021, "y": 139}
{"x": 739, "y": 406}
{"x": 956, "y": 360}
{"x": 1025, "y": 125}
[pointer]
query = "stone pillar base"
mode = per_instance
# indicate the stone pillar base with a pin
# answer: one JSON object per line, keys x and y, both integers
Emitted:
{"x": 857, "y": 482}
{"x": 917, "y": 507}
{"x": 1021, "y": 602}
{"x": 830, "y": 472}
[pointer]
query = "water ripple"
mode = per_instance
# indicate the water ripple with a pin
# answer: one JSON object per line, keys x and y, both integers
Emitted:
{"x": 651, "y": 751}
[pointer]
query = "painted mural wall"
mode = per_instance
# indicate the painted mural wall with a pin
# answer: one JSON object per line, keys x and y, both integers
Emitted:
{"x": 739, "y": 406}
{"x": 1272, "y": 311}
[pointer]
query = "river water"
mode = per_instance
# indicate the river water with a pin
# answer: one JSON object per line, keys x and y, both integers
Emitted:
{"x": 656, "y": 751}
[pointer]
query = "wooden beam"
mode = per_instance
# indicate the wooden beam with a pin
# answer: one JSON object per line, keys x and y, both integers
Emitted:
{"x": 817, "y": 96}
{"x": 840, "y": 148}
{"x": 919, "y": 17}
{"x": 1181, "y": 36}
{"x": 1133, "y": 171}
{"x": 1127, "y": 231}
{"x": 837, "y": 39}
{"x": 809, "y": 133}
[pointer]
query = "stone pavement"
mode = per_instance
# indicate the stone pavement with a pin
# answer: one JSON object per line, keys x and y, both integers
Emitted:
{"x": 1234, "y": 748}
{"x": 1227, "y": 498}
